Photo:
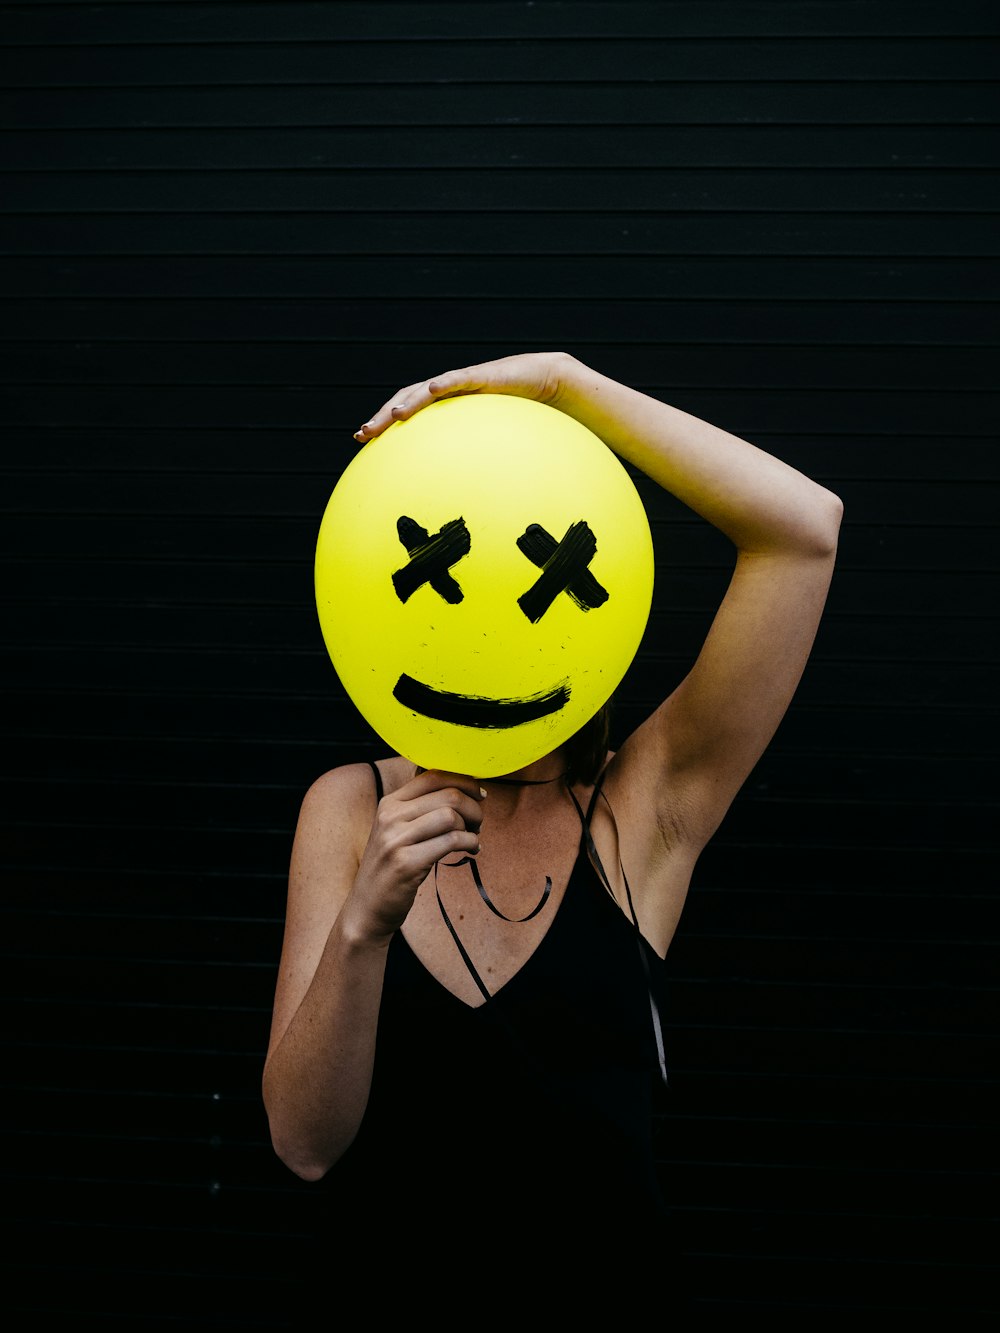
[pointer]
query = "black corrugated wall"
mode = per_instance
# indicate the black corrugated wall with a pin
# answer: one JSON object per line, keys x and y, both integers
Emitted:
{"x": 228, "y": 231}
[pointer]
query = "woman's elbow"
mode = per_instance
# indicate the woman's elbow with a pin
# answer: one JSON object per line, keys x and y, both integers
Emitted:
{"x": 311, "y": 1172}
{"x": 827, "y": 514}
{"x": 300, "y": 1160}
{"x": 306, "y": 1154}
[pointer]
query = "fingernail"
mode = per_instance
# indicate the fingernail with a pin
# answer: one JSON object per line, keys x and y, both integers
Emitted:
{"x": 482, "y": 791}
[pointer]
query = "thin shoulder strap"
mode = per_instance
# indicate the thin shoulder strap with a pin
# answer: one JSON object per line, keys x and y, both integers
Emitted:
{"x": 593, "y": 798}
{"x": 379, "y": 792}
{"x": 599, "y": 867}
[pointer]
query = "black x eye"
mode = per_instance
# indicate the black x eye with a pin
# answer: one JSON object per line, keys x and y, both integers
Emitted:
{"x": 564, "y": 569}
{"x": 431, "y": 558}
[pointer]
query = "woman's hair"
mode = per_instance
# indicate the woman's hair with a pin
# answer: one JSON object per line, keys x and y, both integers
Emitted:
{"x": 586, "y": 750}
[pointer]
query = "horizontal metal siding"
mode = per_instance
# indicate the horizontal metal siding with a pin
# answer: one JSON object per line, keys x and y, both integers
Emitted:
{"x": 226, "y": 232}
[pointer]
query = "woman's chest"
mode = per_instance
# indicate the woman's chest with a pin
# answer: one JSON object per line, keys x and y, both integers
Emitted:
{"x": 485, "y": 918}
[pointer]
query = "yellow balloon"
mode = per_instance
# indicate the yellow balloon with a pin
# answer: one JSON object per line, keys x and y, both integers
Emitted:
{"x": 483, "y": 579}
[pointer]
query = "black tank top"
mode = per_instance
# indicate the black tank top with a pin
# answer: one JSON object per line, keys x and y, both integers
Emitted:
{"x": 538, "y": 1103}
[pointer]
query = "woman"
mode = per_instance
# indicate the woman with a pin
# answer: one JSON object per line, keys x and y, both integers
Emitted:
{"x": 454, "y": 1046}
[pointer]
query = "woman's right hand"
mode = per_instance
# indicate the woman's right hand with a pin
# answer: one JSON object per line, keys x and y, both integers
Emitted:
{"x": 435, "y": 814}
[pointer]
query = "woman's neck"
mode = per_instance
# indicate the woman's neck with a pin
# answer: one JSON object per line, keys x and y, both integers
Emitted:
{"x": 550, "y": 768}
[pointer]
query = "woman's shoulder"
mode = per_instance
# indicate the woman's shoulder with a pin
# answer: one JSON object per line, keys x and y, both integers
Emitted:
{"x": 338, "y": 806}
{"x": 394, "y": 770}
{"x": 337, "y": 809}
{"x": 355, "y": 785}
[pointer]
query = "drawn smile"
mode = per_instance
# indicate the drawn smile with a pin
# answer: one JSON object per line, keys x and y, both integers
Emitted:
{"x": 470, "y": 710}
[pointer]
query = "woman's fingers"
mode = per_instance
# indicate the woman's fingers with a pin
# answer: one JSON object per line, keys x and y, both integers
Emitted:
{"x": 444, "y": 826}
{"x": 463, "y": 807}
{"x": 410, "y": 846}
{"x": 432, "y": 808}
{"x": 436, "y": 817}
{"x": 404, "y": 404}
{"x": 432, "y": 816}
{"x": 434, "y": 802}
{"x": 527, "y": 375}
{"x": 440, "y": 779}
{"x": 400, "y": 407}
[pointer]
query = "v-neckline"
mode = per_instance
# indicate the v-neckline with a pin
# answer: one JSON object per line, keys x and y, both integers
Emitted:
{"x": 480, "y": 1001}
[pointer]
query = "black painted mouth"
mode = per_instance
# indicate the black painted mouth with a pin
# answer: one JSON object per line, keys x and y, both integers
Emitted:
{"x": 470, "y": 710}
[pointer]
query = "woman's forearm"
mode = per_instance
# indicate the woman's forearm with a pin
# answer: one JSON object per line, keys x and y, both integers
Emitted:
{"x": 317, "y": 1079}
{"x": 760, "y": 503}
{"x": 341, "y": 917}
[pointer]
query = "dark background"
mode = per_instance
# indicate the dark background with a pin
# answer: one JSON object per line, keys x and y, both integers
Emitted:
{"x": 228, "y": 232}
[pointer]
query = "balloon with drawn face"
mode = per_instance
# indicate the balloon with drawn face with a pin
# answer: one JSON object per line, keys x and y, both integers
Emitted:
{"x": 483, "y": 578}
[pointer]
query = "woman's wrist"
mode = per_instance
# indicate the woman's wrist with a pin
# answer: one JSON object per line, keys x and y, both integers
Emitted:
{"x": 357, "y": 934}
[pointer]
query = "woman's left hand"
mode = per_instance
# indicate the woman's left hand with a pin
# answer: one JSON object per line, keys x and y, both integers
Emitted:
{"x": 537, "y": 375}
